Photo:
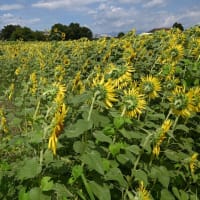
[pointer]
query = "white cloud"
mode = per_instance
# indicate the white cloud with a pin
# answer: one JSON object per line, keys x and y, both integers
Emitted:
{"x": 112, "y": 17}
{"x": 9, "y": 18}
{"x": 153, "y": 3}
{"x": 7, "y": 7}
{"x": 54, "y": 4}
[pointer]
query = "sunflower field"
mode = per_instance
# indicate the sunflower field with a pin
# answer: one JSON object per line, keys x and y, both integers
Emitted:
{"x": 105, "y": 119}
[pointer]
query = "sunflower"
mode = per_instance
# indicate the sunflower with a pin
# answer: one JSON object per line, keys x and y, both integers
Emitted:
{"x": 161, "y": 135}
{"x": 105, "y": 90}
{"x": 142, "y": 193}
{"x": 78, "y": 84}
{"x": 133, "y": 103}
{"x": 193, "y": 162}
{"x": 150, "y": 86}
{"x": 182, "y": 103}
{"x": 195, "y": 92}
{"x": 120, "y": 75}
{"x": 175, "y": 51}
{"x": 57, "y": 123}
{"x": 170, "y": 83}
{"x": 61, "y": 92}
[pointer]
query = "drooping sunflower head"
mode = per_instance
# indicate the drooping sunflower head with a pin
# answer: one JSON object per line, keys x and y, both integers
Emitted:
{"x": 150, "y": 86}
{"x": 105, "y": 91}
{"x": 133, "y": 103}
{"x": 142, "y": 193}
{"x": 121, "y": 75}
{"x": 61, "y": 89}
{"x": 182, "y": 103}
{"x": 195, "y": 93}
{"x": 193, "y": 162}
{"x": 170, "y": 83}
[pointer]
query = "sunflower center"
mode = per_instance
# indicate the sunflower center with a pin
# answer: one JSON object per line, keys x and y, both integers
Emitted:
{"x": 148, "y": 87}
{"x": 170, "y": 86}
{"x": 180, "y": 102}
{"x": 116, "y": 73}
{"x": 131, "y": 102}
{"x": 174, "y": 53}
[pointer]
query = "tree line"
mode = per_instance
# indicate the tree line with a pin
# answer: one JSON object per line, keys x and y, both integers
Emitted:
{"x": 58, "y": 32}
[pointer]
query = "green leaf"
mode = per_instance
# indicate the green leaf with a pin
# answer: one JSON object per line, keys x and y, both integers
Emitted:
{"x": 101, "y": 192}
{"x": 102, "y": 137}
{"x": 79, "y": 147}
{"x": 109, "y": 130}
{"x": 135, "y": 149}
{"x": 184, "y": 195}
{"x": 30, "y": 169}
{"x": 156, "y": 116}
{"x": 46, "y": 183}
{"x": 78, "y": 128}
{"x": 182, "y": 127}
{"x": 172, "y": 155}
{"x": 36, "y": 193}
{"x": 123, "y": 158}
{"x": 115, "y": 148}
{"x": 62, "y": 191}
{"x": 166, "y": 195}
{"x": 94, "y": 161}
{"x": 48, "y": 156}
{"x": 23, "y": 195}
{"x": 99, "y": 120}
{"x": 140, "y": 175}
{"x": 162, "y": 174}
{"x": 118, "y": 122}
{"x": 131, "y": 134}
{"x": 115, "y": 174}
{"x": 77, "y": 171}
{"x": 176, "y": 192}
{"x": 126, "y": 134}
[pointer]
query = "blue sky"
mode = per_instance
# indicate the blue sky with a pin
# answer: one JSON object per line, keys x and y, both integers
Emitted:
{"x": 101, "y": 16}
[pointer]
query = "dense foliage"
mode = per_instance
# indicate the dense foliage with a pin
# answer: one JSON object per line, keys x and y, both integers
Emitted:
{"x": 58, "y": 32}
{"x": 106, "y": 119}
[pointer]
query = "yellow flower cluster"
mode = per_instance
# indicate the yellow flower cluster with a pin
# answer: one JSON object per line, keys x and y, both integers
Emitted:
{"x": 3, "y": 122}
{"x": 58, "y": 123}
{"x": 161, "y": 136}
{"x": 33, "y": 79}
{"x": 193, "y": 162}
{"x": 142, "y": 193}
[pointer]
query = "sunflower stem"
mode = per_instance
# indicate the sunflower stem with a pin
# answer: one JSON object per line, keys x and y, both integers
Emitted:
{"x": 170, "y": 112}
{"x": 123, "y": 112}
{"x": 92, "y": 105}
{"x": 175, "y": 122}
{"x": 36, "y": 111}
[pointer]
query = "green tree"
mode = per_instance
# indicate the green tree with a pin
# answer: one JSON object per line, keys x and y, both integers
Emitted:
{"x": 72, "y": 32}
{"x": 120, "y": 34}
{"x": 178, "y": 25}
{"x": 22, "y": 33}
{"x": 7, "y": 31}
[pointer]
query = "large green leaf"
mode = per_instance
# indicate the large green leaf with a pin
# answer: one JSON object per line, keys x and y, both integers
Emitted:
{"x": 115, "y": 174}
{"x": 101, "y": 137}
{"x": 30, "y": 169}
{"x": 140, "y": 175}
{"x": 36, "y": 193}
{"x": 166, "y": 195}
{"x": 46, "y": 183}
{"x": 101, "y": 192}
{"x": 62, "y": 191}
{"x": 78, "y": 128}
{"x": 94, "y": 161}
{"x": 162, "y": 174}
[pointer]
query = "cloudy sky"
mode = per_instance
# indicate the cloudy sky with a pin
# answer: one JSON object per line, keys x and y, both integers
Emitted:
{"x": 101, "y": 16}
